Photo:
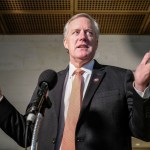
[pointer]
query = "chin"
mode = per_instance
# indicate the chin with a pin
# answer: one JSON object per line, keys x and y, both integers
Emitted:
{"x": 85, "y": 58}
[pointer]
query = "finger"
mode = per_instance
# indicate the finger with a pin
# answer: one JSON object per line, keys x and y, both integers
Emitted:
{"x": 47, "y": 94}
{"x": 146, "y": 58}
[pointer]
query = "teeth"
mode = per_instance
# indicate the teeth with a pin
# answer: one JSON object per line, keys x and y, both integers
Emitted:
{"x": 83, "y": 46}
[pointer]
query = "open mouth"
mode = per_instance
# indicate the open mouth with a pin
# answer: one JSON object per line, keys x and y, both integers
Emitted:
{"x": 82, "y": 46}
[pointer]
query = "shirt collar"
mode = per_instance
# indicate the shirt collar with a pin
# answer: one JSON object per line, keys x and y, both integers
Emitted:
{"x": 87, "y": 68}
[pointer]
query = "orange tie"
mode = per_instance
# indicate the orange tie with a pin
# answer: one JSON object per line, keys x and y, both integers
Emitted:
{"x": 68, "y": 139}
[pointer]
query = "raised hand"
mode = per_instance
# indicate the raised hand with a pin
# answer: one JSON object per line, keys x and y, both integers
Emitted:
{"x": 142, "y": 73}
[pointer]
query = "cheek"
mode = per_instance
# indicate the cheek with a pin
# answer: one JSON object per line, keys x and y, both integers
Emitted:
{"x": 95, "y": 44}
{"x": 72, "y": 43}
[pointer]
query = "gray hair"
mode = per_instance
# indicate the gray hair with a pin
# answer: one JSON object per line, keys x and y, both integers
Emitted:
{"x": 93, "y": 21}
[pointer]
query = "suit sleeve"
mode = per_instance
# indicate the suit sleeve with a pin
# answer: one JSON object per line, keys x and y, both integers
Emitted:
{"x": 13, "y": 123}
{"x": 139, "y": 112}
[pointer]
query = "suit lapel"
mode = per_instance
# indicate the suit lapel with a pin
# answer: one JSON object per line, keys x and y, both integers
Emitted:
{"x": 96, "y": 78}
{"x": 57, "y": 92}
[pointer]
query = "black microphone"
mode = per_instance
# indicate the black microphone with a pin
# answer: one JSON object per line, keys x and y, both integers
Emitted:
{"x": 47, "y": 80}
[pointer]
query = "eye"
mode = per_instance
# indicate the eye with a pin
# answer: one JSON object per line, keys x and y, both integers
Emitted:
{"x": 76, "y": 32}
{"x": 90, "y": 33}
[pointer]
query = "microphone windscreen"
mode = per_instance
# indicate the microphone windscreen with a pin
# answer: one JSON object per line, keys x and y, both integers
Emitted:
{"x": 48, "y": 76}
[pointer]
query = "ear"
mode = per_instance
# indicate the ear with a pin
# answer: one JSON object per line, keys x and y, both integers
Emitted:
{"x": 65, "y": 43}
{"x": 97, "y": 43}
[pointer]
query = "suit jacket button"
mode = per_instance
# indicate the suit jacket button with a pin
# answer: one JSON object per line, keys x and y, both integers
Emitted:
{"x": 80, "y": 139}
{"x": 147, "y": 112}
{"x": 54, "y": 140}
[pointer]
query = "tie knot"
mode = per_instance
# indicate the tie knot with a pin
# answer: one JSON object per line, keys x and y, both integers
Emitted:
{"x": 78, "y": 71}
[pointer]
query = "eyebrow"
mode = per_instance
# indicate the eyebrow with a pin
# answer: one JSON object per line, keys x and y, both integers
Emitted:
{"x": 84, "y": 29}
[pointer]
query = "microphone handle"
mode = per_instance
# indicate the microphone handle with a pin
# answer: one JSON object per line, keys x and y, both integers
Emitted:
{"x": 36, "y": 131}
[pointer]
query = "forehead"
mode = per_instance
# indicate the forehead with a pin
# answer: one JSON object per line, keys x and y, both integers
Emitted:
{"x": 80, "y": 22}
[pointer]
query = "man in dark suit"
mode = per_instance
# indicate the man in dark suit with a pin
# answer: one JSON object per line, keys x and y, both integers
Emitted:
{"x": 115, "y": 104}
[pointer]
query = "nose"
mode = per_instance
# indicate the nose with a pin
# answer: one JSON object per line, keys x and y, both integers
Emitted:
{"x": 82, "y": 35}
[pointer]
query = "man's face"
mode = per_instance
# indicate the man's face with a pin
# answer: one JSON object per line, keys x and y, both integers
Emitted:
{"x": 81, "y": 40}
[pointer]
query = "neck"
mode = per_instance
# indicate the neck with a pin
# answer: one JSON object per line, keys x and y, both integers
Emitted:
{"x": 79, "y": 64}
